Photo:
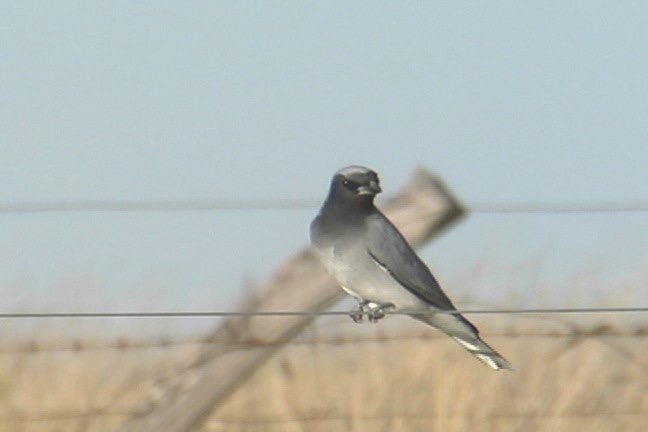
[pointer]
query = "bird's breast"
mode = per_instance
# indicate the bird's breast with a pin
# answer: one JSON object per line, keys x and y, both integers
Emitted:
{"x": 360, "y": 276}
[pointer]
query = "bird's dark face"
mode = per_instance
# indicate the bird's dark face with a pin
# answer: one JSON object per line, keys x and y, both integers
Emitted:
{"x": 354, "y": 184}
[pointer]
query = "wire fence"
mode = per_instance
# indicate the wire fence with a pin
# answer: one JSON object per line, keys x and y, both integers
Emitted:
{"x": 110, "y": 411}
{"x": 68, "y": 415}
{"x": 404, "y": 416}
{"x": 294, "y": 204}
{"x": 606, "y": 333}
{"x": 124, "y": 344}
{"x": 202, "y": 314}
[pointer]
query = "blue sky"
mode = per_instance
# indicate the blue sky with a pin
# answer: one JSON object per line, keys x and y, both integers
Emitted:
{"x": 523, "y": 102}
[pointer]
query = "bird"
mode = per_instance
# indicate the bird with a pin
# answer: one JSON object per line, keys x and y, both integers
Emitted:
{"x": 372, "y": 261}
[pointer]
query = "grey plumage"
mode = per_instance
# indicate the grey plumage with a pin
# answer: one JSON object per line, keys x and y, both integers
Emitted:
{"x": 373, "y": 262}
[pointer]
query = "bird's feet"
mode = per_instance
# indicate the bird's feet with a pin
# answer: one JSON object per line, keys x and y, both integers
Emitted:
{"x": 377, "y": 311}
{"x": 374, "y": 311}
{"x": 358, "y": 312}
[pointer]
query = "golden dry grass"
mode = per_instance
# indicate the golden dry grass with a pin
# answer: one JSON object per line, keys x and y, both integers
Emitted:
{"x": 592, "y": 384}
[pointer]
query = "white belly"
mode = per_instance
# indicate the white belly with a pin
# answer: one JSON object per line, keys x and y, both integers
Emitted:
{"x": 361, "y": 277}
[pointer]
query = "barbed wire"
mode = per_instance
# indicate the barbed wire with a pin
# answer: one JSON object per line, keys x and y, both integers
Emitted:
{"x": 71, "y": 415}
{"x": 122, "y": 344}
{"x": 405, "y": 416}
{"x": 293, "y": 204}
{"x": 208, "y": 314}
{"x": 98, "y": 413}
{"x": 66, "y": 415}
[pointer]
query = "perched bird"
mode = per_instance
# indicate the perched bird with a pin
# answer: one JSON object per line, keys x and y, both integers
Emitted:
{"x": 373, "y": 262}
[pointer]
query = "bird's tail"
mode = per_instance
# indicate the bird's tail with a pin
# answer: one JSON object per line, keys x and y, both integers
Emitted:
{"x": 466, "y": 335}
{"x": 484, "y": 353}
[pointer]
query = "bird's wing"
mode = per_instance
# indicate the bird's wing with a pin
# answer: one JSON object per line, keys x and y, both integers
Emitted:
{"x": 389, "y": 249}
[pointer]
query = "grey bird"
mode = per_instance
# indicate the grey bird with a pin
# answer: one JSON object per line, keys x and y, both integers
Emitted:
{"x": 373, "y": 262}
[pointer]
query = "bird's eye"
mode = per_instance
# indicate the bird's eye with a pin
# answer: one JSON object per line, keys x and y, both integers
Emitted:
{"x": 349, "y": 184}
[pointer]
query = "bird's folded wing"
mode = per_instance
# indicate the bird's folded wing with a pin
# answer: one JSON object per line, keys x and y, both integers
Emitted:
{"x": 387, "y": 246}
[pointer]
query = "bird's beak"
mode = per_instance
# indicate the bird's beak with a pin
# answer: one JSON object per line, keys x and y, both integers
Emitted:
{"x": 371, "y": 189}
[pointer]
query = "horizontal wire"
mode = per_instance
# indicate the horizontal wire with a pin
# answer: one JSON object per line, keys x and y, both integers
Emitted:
{"x": 98, "y": 413}
{"x": 389, "y": 417}
{"x": 198, "y": 314}
{"x": 608, "y": 207}
{"x": 156, "y": 206}
{"x": 66, "y": 415}
{"x": 293, "y": 204}
{"x": 78, "y": 346}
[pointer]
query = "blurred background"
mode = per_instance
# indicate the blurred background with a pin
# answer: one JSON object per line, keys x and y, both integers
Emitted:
{"x": 251, "y": 105}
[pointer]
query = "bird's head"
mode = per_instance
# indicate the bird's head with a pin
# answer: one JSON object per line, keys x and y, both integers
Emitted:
{"x": 354, "y": 184}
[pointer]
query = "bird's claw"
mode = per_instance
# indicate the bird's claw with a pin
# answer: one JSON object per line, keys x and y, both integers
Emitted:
{"x": 375, "y": 314}
{"x": 373, "y": 311}
{"x": 357, "y": 313}
{"x": 378, "y": 312}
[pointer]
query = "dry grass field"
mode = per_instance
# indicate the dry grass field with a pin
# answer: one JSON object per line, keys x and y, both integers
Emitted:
{"x": 415, "y": 383}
